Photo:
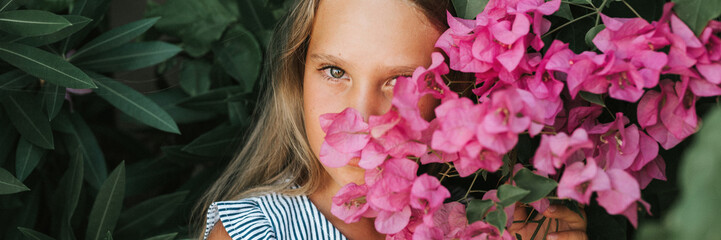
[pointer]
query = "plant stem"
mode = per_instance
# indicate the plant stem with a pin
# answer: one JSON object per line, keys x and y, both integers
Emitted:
{"x": 567, "y": 23}
{"x": 445, "y": 174}
{"x": 631, "y": 8}
{"x": 471, "y": 187}
{"x": 598, "y": 11}
{"x": 579, "y": 5}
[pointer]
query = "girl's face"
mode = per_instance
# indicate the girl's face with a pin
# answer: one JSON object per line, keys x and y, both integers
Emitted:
{"x": 357, "y": 49}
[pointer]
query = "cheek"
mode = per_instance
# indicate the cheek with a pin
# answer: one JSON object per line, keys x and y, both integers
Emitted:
{"x": 311, "y": 113}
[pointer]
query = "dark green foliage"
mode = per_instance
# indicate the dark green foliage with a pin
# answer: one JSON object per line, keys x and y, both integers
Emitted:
{"x": 59, "y": 141}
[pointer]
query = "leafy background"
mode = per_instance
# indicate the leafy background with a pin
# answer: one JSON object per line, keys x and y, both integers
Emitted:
{"x": 113, "y": 129}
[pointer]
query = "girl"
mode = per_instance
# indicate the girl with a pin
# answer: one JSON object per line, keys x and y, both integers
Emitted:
{"x": 326, "y": 56}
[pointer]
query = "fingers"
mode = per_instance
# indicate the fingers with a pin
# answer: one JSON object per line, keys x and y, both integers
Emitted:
{"x": 568, "y": 216}
{"x": 567, "y": 235}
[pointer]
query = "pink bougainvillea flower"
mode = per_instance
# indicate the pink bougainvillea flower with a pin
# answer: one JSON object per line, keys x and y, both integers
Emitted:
{"x": 346, "y": 135}
{"x": 580, "y": 180}
{"x": 401, "y": 142}
{"x": 539, "y": 8}
{"x": 427, "y": 193}
{"x": 372, "y": 155}
{"x": 349, "y": 204}
{"x": 623, "y": 195}
{"x": 331, "y": 157}
{"x": 430, "y": 81}
{"x": 450, "y": 219}
{"x": 389, "y": 222}
{"x": 457, "y": 121}
{"x": 480, "y": 230}
{"x": 709, "y": 55}
{"x": 544, "y": 84}
{"x": 655, "y": 169}
{"x": 618, "y": 144}
{"x": 456, "y": 42}
{"x": 674, "y": 120}
{"x": 583, "y": 117}
{"x": 509, "y": 112}
{"x": 379, "y": 125}
{"x": 347, "y": 132}
{"x": 507, "y": 41}
{"x": 628, "y": 37}
{"x": 555, "y": 149}
{"x": 405, "y": 100}
{"x": 390, "y": 184}
{"x": 648, "y": 152}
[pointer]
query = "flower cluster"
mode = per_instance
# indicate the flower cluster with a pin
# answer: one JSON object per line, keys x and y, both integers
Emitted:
{"x": 524, "y": 88}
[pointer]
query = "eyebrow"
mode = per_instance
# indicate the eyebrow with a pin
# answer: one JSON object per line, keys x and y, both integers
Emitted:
{"x": 394, "y": 70}
{"x": 328, "y": 58}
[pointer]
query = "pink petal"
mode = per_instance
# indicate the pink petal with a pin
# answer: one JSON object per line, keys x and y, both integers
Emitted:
{"x": 333, "y": 158}
{"x": 389, "y": 222}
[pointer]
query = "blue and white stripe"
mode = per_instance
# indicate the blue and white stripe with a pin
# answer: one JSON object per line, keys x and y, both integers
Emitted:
{"x": 271, "y": 216}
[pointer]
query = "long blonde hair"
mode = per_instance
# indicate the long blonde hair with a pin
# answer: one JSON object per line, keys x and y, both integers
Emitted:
{"x": 276, "y": 154}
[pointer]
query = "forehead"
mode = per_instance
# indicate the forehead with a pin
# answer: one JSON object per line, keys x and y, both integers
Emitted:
{"x": 389, "y": 32}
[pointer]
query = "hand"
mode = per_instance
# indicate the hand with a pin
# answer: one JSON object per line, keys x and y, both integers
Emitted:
{"x": 570, "y": 225}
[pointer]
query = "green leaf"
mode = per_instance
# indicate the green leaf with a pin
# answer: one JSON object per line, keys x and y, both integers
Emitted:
{"x": 35, "y": 235}
{"x": 27, "y": 215}
{"x": 195, "y": 77}
{"x": 77, "y": 23}
{"x": 68, "y": 193}
{"x": 697, "y": 13}
{"x": 255, "y": 15}
{"x": 239, "y": 110}
{"x": 592, "y": 98}
{"x": 9, "y": 184}
{"x": 476, "y": 209}
{"x": 539, "y": 186}
{"x": 79, "y": 139}
{"x": 468, "y": 9}
{"x": 53, "y": 97}
{"x": 130, "y": 56}
{"x": 30, "y": 23}
{"x": 29, "y": 120}
{"x": 108, "y": 235}
{"x": 169, "y": 99}
{"x": 115, "y": 37}
{"x": 221, "y": 141}
{"x": 8, "y": 135}
{"x": 148, "y": 215}
{"x": 44, "y": 65}
{"x": 8, "y": 5}
{"x": 27, "y": 157}
{"x": 108, "y": 203}
{"x": 169, "y": 236}
{"x": 592, "y": 34}
{"x": 509, "y": 194}
{"x": 197, "y": 23}
{"x": 564, "y": 11}
{"x": 134, "y": 104}
{"x": 240, "y": 55}
{"x": 15, "y": 80}
{"x": 498, "y": 219}
{"x": 214, "y": 100}
{"x": 92, "y": 9}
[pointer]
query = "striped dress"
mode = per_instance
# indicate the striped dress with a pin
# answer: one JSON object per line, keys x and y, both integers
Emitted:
{"x": 271, "y": 216}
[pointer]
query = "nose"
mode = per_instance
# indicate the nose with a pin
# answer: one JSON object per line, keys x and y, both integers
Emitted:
{"x": 369, "y": 97}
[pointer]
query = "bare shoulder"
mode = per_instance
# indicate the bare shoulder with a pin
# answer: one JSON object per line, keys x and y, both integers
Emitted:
{"x": 218, "y": 232}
